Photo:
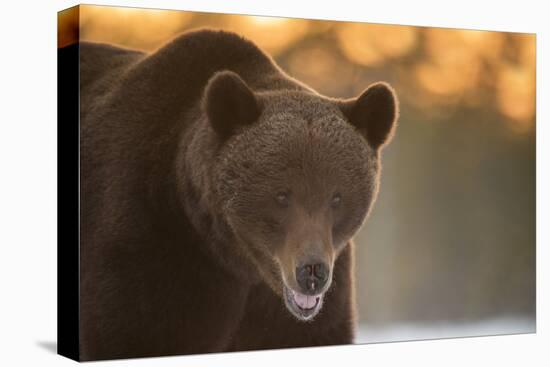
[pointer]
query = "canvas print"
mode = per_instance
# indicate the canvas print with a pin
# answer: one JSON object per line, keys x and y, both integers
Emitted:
{"x": 237, "y": 182}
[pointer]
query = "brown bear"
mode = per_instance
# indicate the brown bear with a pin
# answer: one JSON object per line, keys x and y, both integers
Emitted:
{"x": 219, "y": 197}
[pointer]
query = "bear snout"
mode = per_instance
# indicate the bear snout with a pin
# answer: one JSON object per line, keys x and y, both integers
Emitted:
{"x": 312, "y": 277}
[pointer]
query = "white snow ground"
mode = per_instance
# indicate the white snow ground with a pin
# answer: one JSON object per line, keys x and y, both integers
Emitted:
{"x": 437, "y": 330}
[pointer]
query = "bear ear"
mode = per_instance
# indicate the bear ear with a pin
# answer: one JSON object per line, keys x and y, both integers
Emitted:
{"x": 229, "y": 103}
{"x": 374, "y": 113}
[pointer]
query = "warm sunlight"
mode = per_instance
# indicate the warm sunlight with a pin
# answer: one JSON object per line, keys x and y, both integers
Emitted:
{"x": 441, "y": 68}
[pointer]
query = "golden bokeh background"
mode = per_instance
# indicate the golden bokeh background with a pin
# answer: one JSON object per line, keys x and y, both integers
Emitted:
{"x": 441, "y": 67}
{"x": 452, "y": 236}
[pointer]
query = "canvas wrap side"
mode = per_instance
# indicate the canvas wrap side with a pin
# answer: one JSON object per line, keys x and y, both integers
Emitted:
{"x": 68, "y": 203}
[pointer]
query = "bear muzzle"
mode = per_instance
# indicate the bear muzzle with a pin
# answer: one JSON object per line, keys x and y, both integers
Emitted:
{"x": 312, "y": 279}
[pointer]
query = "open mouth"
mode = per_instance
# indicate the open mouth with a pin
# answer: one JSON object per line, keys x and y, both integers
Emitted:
{"x": 303, "y": 306}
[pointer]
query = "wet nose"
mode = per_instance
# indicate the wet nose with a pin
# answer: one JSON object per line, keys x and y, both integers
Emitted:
{"x": 312, "y": 277}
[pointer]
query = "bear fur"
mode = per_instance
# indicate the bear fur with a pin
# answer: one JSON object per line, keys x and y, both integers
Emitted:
{"x": 176, "y": 148}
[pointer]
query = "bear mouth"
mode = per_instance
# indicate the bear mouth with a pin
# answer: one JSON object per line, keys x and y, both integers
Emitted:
{"x": 304, "y": 307}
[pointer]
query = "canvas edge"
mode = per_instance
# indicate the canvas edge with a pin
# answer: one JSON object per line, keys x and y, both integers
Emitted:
{"x": 68, "y": 184}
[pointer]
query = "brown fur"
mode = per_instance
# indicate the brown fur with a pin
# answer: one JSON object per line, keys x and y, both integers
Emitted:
{"x": 183, "y": 246}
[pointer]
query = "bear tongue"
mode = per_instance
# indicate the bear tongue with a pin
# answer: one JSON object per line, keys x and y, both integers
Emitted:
{"x": 305, "y": 302}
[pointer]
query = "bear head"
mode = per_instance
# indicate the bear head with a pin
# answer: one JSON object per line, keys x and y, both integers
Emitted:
{"x": 295, "y": 176}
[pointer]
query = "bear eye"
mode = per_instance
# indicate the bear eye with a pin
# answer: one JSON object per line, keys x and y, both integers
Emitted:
{"x": 282, "y": 198}
{"x": 336, "y": 200}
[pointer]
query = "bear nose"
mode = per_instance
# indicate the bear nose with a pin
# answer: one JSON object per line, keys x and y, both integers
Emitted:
{"x": 312, "y": 277}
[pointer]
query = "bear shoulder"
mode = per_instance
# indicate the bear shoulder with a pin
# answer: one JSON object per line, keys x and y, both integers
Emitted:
{"x": 226, "y": 48}
{"x": 190, "y": 60}
{"x": 99, "y": 60}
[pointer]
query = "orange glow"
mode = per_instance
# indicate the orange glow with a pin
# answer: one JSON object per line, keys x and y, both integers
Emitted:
{"x": 272, "y": 34}
{"x": 68, "y": 27}
{"x": 527, "y": 50}
{"x": 370, "y": 44}
{"x": 137, "y": 28}
{"x": 488, "y": 45}
{"x": 516, "y": 94}
{"x": 435, "y": 69}
{"x": 448, "y": 79}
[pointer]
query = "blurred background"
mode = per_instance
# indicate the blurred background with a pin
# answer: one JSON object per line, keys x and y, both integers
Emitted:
{"x": 449, "y": 249}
